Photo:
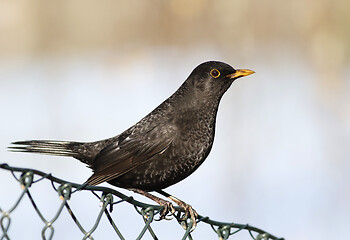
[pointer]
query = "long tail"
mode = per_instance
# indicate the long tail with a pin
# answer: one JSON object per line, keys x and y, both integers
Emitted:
{"x": 58, "y": 148}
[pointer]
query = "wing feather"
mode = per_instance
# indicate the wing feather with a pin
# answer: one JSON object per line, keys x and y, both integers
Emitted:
{"x": 130, "y": 151}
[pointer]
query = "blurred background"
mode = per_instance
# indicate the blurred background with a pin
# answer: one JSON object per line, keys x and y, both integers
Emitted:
{"x": 87, "y": 70}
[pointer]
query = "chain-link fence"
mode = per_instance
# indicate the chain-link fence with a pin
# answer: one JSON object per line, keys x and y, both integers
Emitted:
{"x": 109, "y": 199}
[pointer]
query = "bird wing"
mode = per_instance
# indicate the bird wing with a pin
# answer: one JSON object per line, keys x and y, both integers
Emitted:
{"x": 131, "y": 150}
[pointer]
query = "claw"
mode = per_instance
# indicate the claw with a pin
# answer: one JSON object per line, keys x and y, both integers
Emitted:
{"x": 168, "y": 209}
{"x": 189, "y": 213}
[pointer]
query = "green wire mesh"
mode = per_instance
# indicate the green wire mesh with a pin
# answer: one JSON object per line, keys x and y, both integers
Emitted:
{"x": 107, "y": 197}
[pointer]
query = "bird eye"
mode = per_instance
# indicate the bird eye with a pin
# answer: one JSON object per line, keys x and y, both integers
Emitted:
{"x": 215, "y": 73}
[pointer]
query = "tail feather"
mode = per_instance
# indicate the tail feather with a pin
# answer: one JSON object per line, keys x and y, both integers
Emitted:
{"x": 58, "y": 148}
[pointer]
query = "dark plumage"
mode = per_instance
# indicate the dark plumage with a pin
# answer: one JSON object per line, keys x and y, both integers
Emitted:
{"x": 165, "y": 146}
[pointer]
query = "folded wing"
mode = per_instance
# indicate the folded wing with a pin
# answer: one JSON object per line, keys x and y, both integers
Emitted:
{"x": 131, "y": 150}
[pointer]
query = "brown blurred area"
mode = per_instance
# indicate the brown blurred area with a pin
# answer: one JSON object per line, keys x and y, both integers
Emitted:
{"x": 320, "y": 28}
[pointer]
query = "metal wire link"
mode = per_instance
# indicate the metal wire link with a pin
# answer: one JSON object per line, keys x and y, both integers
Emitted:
{"x": 147, "y": 211}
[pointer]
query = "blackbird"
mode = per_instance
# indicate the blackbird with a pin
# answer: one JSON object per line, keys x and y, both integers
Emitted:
{"x": 164, "y": 147}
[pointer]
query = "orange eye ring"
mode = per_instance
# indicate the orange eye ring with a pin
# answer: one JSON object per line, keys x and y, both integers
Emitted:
{"x": 215, "y": 73}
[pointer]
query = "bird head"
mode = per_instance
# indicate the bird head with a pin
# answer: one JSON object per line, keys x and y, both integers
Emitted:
{"x": 212, "y": 79}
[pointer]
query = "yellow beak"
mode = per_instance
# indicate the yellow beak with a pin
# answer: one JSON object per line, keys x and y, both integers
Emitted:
{"x": 240, "y": 73}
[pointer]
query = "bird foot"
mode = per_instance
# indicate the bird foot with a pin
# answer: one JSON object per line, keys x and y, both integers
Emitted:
{"x": 190, "y": 213}
{"x": 168, "y": 209}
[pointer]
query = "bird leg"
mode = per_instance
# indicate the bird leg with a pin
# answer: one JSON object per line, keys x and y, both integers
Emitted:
{"x": 168, "y": 206}
{"x": 189, "y": 211}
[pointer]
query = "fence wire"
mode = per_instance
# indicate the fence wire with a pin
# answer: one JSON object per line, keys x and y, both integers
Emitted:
{"x": 148, "y": 213}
